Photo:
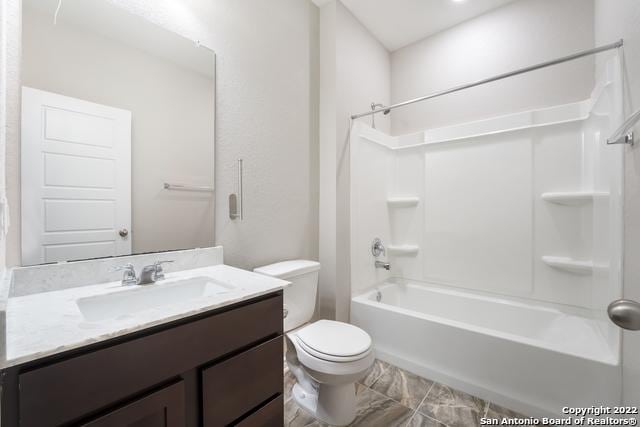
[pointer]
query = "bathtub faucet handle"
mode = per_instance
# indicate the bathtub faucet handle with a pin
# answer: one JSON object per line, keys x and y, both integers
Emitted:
{"x": 377, "y": 248}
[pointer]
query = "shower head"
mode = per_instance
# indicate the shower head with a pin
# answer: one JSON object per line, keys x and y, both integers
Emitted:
{"x": 386, "y": 112}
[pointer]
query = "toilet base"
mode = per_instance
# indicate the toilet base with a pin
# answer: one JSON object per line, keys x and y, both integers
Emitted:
{"x": 331, "y": 404}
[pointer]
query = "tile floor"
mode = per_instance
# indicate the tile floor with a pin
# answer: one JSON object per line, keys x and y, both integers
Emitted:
{"x": 389, "y": 396}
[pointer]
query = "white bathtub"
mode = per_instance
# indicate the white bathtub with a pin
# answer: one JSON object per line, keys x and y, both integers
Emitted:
{"x": 534, "y": 358}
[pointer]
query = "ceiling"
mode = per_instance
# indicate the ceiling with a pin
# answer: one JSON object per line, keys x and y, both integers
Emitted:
{"x": 398, "y": 23}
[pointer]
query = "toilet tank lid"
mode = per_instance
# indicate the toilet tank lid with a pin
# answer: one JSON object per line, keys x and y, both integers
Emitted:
{"x": 287, "y": 269}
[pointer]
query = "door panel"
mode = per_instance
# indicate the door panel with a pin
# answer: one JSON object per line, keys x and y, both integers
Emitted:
{"x": 78, "y": 127}
{"x": 78, "y": 171}
{"x": 74, "y": 215}
{"x": 76, "y": 178}
{"x": 90, "y": 250}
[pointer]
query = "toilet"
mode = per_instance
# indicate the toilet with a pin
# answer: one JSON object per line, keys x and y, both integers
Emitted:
{"x": 326, "y": 357}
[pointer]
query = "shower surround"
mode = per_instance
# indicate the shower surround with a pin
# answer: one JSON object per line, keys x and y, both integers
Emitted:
{"x": 505, "y": 236}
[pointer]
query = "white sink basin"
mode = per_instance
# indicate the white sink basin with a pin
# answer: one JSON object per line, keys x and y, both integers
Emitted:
{"x": 141, "y": 298}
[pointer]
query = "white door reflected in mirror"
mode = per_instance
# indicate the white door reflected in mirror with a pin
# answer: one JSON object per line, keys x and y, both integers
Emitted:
{"x": 76, "y": 178}
{"x": 115, "y": 107}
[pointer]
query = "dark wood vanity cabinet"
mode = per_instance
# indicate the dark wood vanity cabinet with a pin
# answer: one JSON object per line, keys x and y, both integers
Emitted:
{"x": 224, "y": 367}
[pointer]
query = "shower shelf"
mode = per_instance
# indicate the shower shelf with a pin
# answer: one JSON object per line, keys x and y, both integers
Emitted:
{"x": 403, "y": 250}
{"x": 568, "y": 264}
{"x": 403, "y": 202}
{"x": 576, "y": 198}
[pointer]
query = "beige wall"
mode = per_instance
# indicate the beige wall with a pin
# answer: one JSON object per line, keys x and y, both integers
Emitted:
{"x": 614, "y": 20}
{"x": 3, "y": 113}
{"x": 266, "y": 113}
{"x": 362, "y": 76}
{"x": 267, "y": 98}
{"x": 172, "y": 124}
{"x": 514, "y": 36}
{"x": 354, "y": 72}
{"x": 10, "y": 49}
{"x": 327, "y": 208}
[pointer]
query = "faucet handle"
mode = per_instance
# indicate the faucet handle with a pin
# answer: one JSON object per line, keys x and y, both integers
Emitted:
{"x": 129, "y": 277}
{"x": 127, "y": 267}
{"x": 377, "y": 247}
{"x": 159, "y": 272}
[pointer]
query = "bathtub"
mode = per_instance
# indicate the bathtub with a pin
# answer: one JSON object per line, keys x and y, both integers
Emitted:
{"x": 535, "y": 358}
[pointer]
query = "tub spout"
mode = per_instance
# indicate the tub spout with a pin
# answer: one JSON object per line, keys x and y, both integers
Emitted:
{"x": 385, "y": 265}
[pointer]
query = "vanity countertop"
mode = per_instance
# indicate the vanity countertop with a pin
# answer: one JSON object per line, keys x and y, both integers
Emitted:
{"x": 48, "y": 323}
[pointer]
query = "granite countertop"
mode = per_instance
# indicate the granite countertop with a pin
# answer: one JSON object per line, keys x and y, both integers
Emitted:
{"x": 48, "y": 323}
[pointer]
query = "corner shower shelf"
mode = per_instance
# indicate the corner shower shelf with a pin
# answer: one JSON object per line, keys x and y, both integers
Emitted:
{"x": 403, "y": 202}
{"x": 403, "y": 250}
{"x": 568, "y": 264}
{"x": 573, "y": 198}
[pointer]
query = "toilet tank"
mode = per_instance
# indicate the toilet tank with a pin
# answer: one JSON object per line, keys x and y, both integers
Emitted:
{"x": 300, "y": 296}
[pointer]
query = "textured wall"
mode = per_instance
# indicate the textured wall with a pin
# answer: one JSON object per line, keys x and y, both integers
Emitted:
{"x": 614, "y": 20}
{"x": 362, "y": 76}
{"x": 514, "y": 36}
{"x": 267, "y": 101}
{"x": 3, "y": 111}
{"x": 327, "y": 173}
{"x": 9, "y": 95}
{"x": 266, "y": 113}
{"x": 354, "y": 72}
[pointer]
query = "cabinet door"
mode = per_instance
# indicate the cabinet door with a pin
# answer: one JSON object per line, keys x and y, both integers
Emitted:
{"x": 270, "y": 415}
{"x": 163, "y": 408}
{"x": 237, "y": 386}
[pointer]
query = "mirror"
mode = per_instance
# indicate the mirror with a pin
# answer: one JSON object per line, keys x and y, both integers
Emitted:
{"x": 117, "y": 146}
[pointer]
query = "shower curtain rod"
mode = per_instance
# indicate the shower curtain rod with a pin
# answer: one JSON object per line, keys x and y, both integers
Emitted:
{"x": 578, "y": 55}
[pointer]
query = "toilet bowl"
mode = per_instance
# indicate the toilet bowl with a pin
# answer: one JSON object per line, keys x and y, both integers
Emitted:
{"x": 326, "y": 357}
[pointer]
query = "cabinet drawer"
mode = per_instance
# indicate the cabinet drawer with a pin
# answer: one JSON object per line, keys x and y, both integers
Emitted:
{"x": 163, "y": 408}
{"x": 236, "y": 386}
{"x": 270, "y": 415}
{"x": 66, "y": 391}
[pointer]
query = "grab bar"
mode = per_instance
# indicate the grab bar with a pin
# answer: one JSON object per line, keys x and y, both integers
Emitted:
{"x": 182, "y": 187}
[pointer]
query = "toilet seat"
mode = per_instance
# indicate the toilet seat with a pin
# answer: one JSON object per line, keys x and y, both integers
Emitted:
{"x": 337, "y": 340}
{"x": 337, "y": 367}
{"x": 333, "y": 341}
{"x": 331, "y": 357}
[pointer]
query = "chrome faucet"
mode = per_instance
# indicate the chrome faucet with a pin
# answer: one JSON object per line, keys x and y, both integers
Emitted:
{"x": 152, "y": 273}
{"x": 377, "y": 249}
{"x": 149, "y": 274}
{"x": 385, "y": 265}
